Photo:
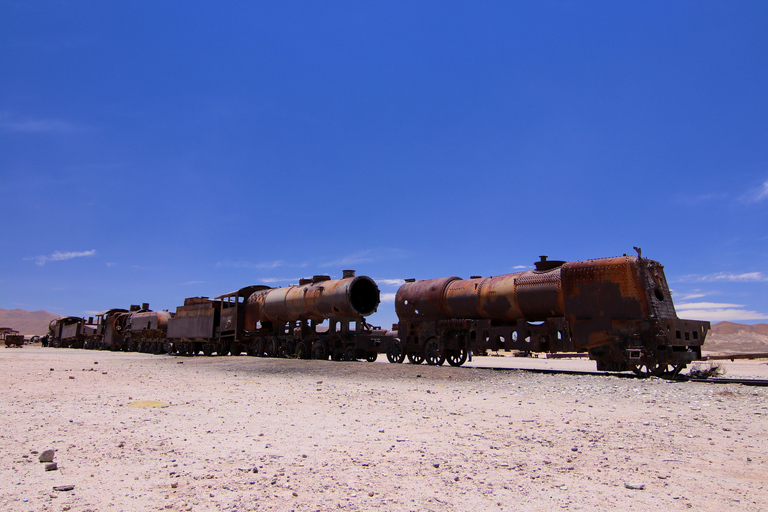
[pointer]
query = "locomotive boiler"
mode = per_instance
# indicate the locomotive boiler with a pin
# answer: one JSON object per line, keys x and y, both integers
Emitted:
{"x": 618, "y": 310}
{"x": 284, "y": 321}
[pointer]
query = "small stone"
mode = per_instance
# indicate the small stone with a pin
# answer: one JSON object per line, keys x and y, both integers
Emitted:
{"x": 255, "y": 469}
{"x": 575, "y": 449}
{"x": 295, "y": 494}
{"x": 64, "y": 488}
{"x": 47, "y": 456}
{"x": 634, "y": 487}
{"x": 436, "y": 465}
{"x": 51, "y": 466}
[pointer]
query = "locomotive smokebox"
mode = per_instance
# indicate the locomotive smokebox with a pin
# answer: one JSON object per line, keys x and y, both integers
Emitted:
{"x": 350, "y": 298}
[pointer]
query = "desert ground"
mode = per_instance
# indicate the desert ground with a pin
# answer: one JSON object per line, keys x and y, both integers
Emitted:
{"x": 140, "y": 432}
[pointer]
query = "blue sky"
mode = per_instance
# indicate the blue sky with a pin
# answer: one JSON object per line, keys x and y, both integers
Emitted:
{"x": 152, "y": 151}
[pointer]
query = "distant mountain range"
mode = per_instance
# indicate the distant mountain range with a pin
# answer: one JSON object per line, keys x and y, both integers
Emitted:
{"x": 731, "y": 338}
{"x": 724, "y": 337}
{"x": 723, "y": 328}
{"x": 29, "y": 323}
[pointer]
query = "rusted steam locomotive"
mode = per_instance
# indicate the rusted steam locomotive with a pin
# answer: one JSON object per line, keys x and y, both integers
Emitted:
{"x": 257, "y": 320}
{"x": 618, "y": 310}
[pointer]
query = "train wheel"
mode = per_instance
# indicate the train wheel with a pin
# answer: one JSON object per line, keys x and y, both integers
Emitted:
{"x": 395, "y": 352}
{"x": 649, "y": 370}
{"x": 415, "y": 358}
{"x": 286, "y": 349}
{"x": 302, "y": 350}
{"x": 207, "y": 349}
{"x": 221, "y": 349}
{"x": 433, "y": 352}
{"x": 676, "y": 370}
{"x": 319, "y": 351}
{"x": 458, "y": 359}
{"x": 259, "y": 347}
{"x": 372, "y": 357}
{"x": 273, "y": 345}
{"x": 235, "y": 349}
{"x": 349, "y": 353}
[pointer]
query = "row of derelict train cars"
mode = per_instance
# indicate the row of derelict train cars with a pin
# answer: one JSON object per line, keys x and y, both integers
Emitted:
{"x": 618, "y": 310}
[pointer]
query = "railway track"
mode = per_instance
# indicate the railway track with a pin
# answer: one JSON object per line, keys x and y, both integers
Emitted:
{"x": 679, "y": 378}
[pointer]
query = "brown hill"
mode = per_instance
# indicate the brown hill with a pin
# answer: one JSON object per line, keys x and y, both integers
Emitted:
{"x": 29, "y": 323}
{"x": 733, "y": 328}
{"x": 729, "y": 337}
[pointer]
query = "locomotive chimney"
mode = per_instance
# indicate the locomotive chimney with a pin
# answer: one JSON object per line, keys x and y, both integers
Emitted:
{"x": 145, "y": 306}
{"x": 348, "y": 273}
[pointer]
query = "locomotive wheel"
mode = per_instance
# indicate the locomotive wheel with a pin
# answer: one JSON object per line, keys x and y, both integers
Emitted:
{"x": 319, "y": 351}
{"x": 349, "y": 353}
{"x": 676, "y": 370}
{"x": 259, "y": 347}
{"x": 433, "y": 352}
{"x": 649, "y": 370}
{"x": 372, "y": 357}
{"x": 302, "y": 350}
{"x": 273, "y": 345}
{"x": 207, "y": 349}
{"x": 235, "y": 349}
{"x": 395, "y": 352}
{"x": 415, "y": 358}
{"x": 286, "y": 349}
{"x": 458, "y": 359}
{"x": 221, "y": 349}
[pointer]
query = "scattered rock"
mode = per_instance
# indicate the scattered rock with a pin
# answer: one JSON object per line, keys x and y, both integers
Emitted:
{"x": 51, "y": 466}
{"x": 634, "y": 487}
{"x": 47, "y": 456}
{"x": 63, "y": 488}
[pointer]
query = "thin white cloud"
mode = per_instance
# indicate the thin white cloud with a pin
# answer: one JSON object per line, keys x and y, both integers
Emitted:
{"x": 248, "y": 264}
{"x": 388, "y": 297}
{"x": 725, "y": 276}
{"x": 521, "y": 267}
{"x": 40, "y": 126}
{"x": 756, "y": 195}
{"x": 692, "y": 296}
{"x": 60, "y": 256}
{"x": 352, "y": 259}
{"x": 707, "y": 305}
{"x": 193, "y": 282}
{"x": 390, "y": 282}
{"x": 718, "y": 312}
{"x": 271, "y": 280}
{"x": 367, "y": 256}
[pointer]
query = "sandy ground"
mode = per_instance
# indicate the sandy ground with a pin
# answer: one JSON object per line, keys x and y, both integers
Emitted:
{"x": 240, "y": 433}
